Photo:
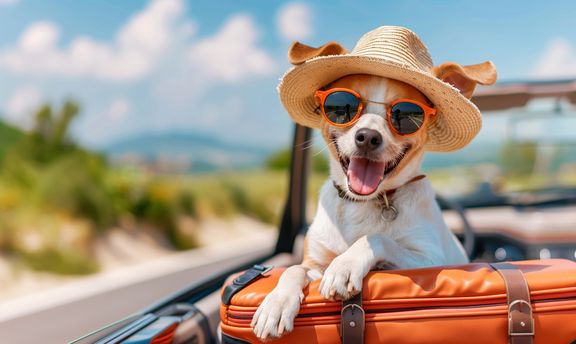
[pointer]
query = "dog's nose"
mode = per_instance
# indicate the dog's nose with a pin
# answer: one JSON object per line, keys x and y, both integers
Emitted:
{"x": 368, "y": 139}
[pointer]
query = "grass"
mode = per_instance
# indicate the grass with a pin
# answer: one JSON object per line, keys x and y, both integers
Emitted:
{"x": 60, "y": 262}
{"x": 259, "y": 193}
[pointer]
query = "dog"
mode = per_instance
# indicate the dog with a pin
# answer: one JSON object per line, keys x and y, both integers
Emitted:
{"x": 376, "y": 210}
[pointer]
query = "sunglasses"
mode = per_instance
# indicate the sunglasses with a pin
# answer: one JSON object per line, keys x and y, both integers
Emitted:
{"x": 342, "y": 107}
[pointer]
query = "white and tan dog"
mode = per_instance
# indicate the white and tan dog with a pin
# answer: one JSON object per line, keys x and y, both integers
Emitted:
{"x": 349, "y": 236}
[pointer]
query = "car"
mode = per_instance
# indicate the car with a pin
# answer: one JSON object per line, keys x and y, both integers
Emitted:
{"x": 536, "y": 223}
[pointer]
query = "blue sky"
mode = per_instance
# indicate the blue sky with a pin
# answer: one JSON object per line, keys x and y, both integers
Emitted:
{"x": 212, "y": 66}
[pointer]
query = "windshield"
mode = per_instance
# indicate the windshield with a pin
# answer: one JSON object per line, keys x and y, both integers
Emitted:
{"x": 521, "y": 149}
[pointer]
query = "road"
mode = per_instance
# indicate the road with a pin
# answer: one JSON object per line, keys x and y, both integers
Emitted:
{"x": 66, "y": 320}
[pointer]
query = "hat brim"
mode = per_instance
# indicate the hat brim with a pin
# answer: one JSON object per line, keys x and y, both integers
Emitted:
{"x": 457, "y": 121}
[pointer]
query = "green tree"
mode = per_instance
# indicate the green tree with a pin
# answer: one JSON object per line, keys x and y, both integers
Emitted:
{"x": 60, "y": 137}
{"x": 49, "y": 138}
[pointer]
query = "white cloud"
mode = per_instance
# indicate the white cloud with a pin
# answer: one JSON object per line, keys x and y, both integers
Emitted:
{"x": 136, "y": 48}
{"x": 295, "y": 21}
{"x": 558, "y": 60}
{"x": 20, "y": 105}
{"x": 39, "y": 37}
{"x": 8, "y": 2}
{"x": 158, "y": 33}
{"x": 118, "y": 109}
{"x": 232, "y": 54}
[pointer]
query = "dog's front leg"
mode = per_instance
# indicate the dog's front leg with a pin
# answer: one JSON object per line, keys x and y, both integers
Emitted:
{"x": 343, "y": 277}
{"x": 277, "y": 312}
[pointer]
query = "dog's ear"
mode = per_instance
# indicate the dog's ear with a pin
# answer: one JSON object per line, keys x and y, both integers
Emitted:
{"x": 465, "y": 78}
{"x": 299, "y": 53}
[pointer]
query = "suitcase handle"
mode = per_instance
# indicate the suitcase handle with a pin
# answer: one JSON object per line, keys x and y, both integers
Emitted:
{"x": 243, "y": 280}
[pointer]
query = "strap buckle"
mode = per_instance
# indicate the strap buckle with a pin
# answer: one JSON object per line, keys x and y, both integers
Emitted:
{"x": 352, "y": 321}
{"x": 353, "y": 305}
{"x": 250, "y": 274}
{"x": 243, "y": 280}
{"x": 514, "y": 330}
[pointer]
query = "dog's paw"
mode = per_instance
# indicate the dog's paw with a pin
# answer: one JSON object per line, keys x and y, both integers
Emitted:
{"x": 343, "y": 278}
{"x": 276, "y": 314}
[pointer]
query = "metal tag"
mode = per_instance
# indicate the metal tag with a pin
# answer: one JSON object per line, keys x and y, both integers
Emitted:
{"x": 389, "y": 213}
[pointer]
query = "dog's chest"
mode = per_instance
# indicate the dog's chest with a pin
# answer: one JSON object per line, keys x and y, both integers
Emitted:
{"x": 342, "y": 222}
{"x": 339, "y": 223}
{"x": 354, "y": 220}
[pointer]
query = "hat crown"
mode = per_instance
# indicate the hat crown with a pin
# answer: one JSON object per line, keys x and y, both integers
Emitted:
{"x": 396, "y": 44}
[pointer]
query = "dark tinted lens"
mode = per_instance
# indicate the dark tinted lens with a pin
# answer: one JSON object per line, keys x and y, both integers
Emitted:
{"x": 341, "y": 107}
{"x": 406, "y": 118}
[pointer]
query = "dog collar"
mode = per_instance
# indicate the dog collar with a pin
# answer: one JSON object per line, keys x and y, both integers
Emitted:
{"x": 389, "y": 212}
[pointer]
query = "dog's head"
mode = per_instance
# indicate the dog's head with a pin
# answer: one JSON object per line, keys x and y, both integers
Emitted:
{"x": 370, "y": 156}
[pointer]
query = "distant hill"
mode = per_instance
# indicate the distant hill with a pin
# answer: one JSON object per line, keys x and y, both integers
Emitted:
{"x": 202, "y": 152}
{"x": 8, "y": 137}
{"x": 206, "y": 153}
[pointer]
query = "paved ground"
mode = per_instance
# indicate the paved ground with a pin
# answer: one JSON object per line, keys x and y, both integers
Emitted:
{"x": 85, "y": 306}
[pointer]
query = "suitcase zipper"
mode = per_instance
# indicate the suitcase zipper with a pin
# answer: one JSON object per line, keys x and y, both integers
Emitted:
{"x": 248, "y": 315}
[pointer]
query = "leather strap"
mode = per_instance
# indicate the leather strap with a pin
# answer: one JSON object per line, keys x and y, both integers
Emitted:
{"x": 241, "y": 281}
{"x": 352, "y": 321}
{"x": 520, "y": 318}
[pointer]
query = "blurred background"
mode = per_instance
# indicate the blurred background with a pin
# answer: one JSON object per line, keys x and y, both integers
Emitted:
{"x": 132, "y": 130}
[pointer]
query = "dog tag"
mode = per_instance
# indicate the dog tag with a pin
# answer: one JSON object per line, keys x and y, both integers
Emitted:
{"x": 389, "y": 213}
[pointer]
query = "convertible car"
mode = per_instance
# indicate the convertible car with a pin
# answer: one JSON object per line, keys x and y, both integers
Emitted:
{"x": 538, "y": 222}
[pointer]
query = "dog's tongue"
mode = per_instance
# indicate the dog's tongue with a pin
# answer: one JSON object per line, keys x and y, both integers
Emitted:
{"x": 364, "y": 175}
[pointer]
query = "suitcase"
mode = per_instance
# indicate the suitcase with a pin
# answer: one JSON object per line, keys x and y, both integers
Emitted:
{"x": 517, "y": 302}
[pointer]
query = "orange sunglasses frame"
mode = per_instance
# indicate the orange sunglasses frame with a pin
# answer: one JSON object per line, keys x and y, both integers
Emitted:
{"x": 322, "y": 95}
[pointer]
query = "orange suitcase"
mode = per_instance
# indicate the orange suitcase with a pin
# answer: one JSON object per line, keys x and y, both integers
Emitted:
{"x": 518, "y": 302}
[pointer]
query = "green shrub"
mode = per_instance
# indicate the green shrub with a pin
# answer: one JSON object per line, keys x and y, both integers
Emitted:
{"x": 187, "y": 203}
{"x": 158, "y": 206}
{"x": 280, "y": 161}
{"x": 75, "y": 183}
{"x": 18, "y": 171}
{"x": 60, "y": 262}
{"x": 244, "y": 204}
{"x": 518, "y": 158}
{"x": 9, "y": 136}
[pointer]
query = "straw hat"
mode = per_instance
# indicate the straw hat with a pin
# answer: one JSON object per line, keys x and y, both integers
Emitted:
{"x": 392, "y": 52}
